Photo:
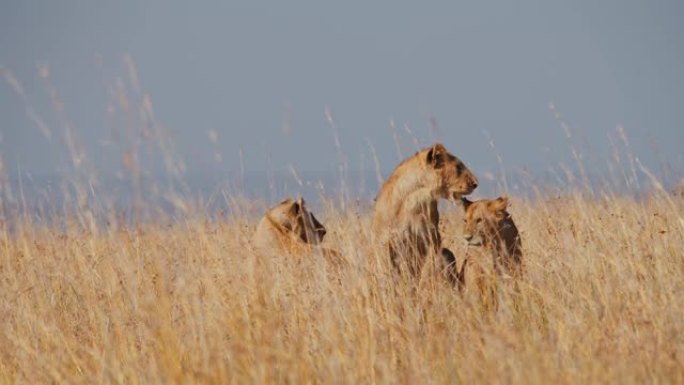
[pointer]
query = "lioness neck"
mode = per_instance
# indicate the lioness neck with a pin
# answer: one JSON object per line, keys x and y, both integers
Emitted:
{"x": 406, "y": 184}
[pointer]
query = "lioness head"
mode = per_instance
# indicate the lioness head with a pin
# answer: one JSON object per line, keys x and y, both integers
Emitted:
{"x": 293, "y": 217}
{"x": 456, "y": 179}
{"x": 483, "y": 219}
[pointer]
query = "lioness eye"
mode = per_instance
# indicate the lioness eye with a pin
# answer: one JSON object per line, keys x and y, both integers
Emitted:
{"x": 459, "y": 169}
{"x": 478, "y": 220}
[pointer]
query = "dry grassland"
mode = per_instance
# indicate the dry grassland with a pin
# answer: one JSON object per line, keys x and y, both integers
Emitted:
{"x": 602, "y": 301}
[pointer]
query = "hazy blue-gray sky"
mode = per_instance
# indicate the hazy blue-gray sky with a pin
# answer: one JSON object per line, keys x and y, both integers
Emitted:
{"x": 260, "y": 74}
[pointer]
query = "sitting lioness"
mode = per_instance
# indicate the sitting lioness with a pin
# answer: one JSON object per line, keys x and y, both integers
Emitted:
{"x": 488, "y": 224}
{"x": 406, "y": 219}
{"x": 289, "y": 227}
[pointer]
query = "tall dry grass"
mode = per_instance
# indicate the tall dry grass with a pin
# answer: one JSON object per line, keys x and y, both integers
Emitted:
{"x": 90, "y": 296}
{"x": 602, "y": 301}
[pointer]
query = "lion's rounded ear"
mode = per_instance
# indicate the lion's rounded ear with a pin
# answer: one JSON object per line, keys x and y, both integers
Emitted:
{"x": 466, "y": 203}
{"x": 436, "y": 154}
{"x": 500, "y": 203}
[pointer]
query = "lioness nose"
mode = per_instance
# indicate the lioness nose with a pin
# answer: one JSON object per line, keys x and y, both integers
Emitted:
{"x": 468, "y": 237}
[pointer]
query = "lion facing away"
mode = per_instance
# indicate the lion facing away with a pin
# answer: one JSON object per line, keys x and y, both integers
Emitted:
{"x": 488, "y": 224}
{"x": 406, "y": 219}
{"x": 289, "y": 227}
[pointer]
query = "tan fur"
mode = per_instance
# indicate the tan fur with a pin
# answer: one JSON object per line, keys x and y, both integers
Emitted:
{"x": 490, "y": 228}
{"x": 488, "y": 224}
{"x": 289, "y": 227}
{"x": 406, "y": 218}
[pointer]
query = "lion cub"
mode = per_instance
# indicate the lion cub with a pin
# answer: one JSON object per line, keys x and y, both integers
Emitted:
{"x": 488, "y": 224}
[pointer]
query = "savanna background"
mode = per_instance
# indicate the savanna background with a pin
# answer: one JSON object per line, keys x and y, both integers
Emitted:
{"x": 140, "y": 142}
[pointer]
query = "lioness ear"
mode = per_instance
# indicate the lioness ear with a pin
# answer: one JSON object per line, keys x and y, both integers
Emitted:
{"x": 466, "y": 203}
{"x": 296, "y": 207}
{"x": 435, "y": 156}
{"x": 500, "y": 203}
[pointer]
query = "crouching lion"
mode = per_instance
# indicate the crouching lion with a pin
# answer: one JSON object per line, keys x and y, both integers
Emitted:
{"x": 290, "y": 228}
{"x": 406, "y": 218}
